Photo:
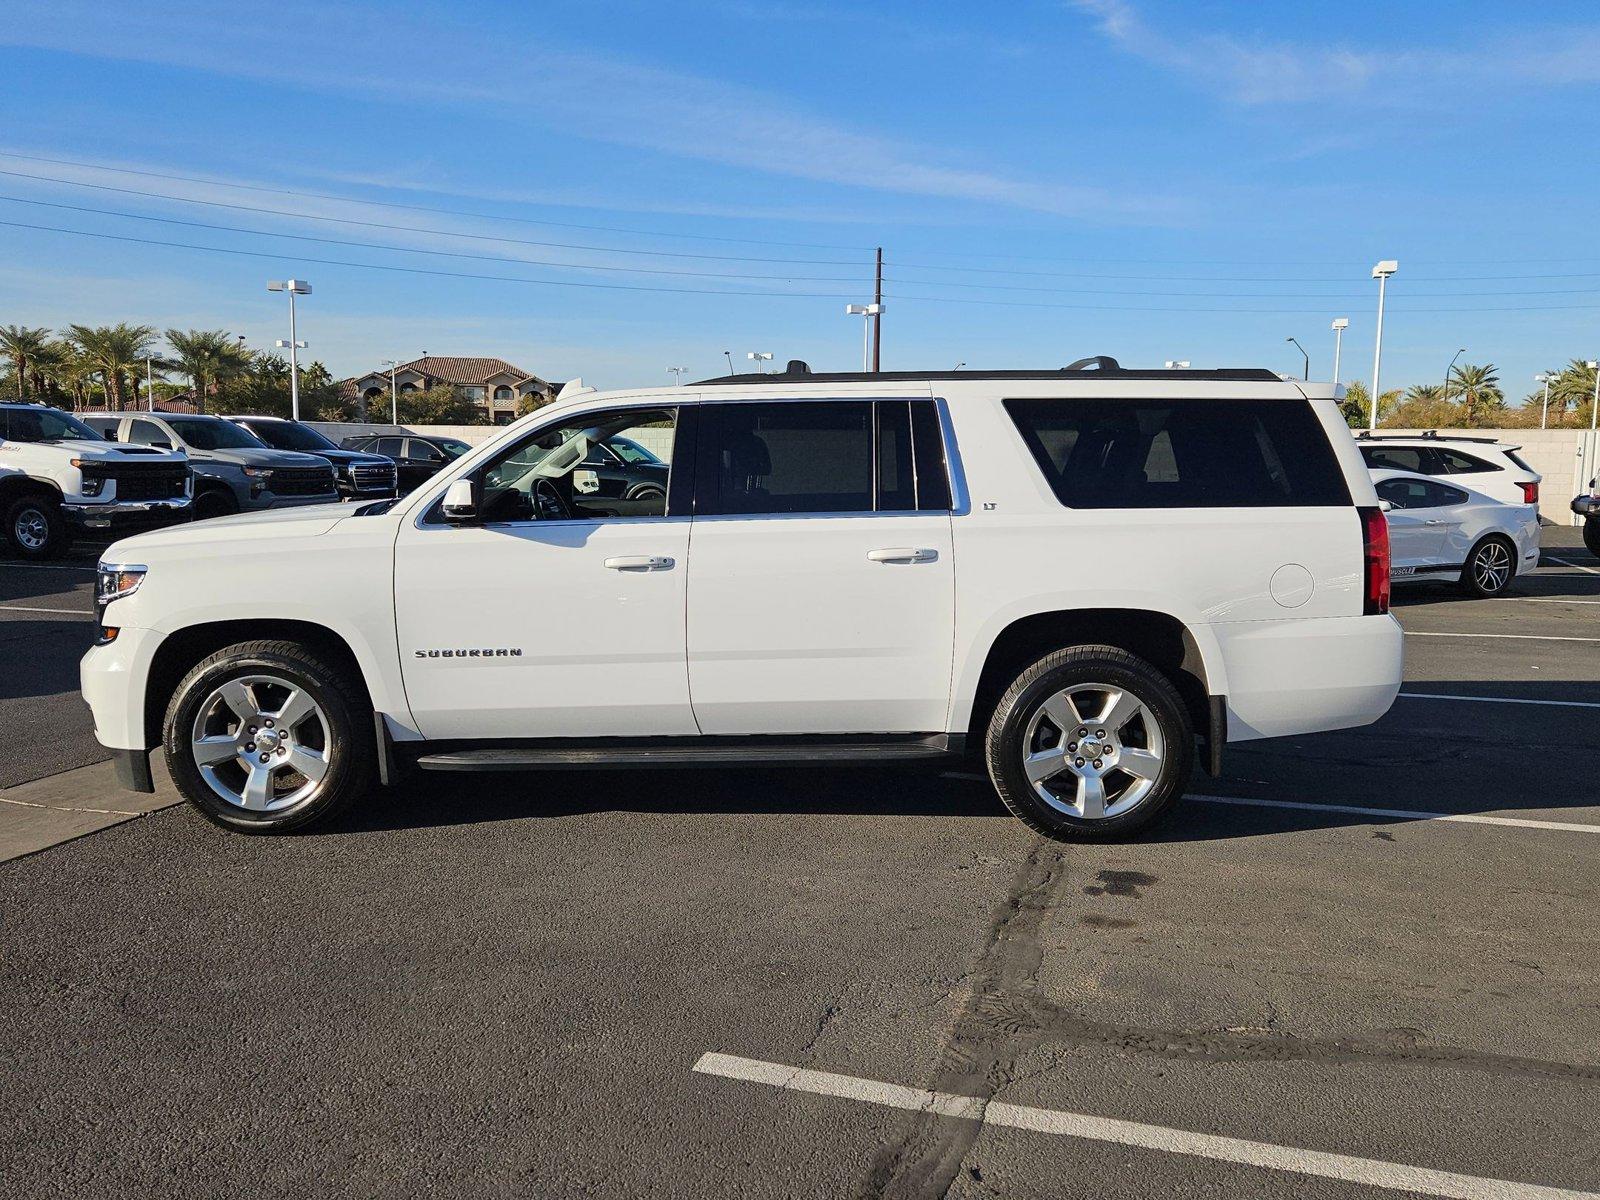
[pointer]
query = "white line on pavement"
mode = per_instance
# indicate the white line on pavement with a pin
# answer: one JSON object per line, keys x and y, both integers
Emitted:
{"x": 109, "y": 812}
{"x": 1515, "y": 637}
{"x": 49, "y": 566}
{"x": 60, "y": 612}
{"x": 1567, "y": 562}
{"x": 1547, "y": 600}
{"x": 1401, "y": 814}
{"x": 1368, "y": 1171}
{"x": 1501, "y": 700}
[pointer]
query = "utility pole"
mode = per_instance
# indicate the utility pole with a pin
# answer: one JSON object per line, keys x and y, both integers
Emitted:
{"x": 877, "y": 316}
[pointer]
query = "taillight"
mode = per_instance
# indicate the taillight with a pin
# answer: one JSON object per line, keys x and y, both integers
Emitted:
{"x": 1375, "y": 555}
{"x": 1530, "y": 493}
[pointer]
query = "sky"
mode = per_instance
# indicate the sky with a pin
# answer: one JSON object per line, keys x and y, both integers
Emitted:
{"x": 613, "y": 188}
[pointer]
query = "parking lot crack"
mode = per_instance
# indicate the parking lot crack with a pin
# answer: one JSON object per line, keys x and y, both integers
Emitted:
{"x": 977, "y": 1057}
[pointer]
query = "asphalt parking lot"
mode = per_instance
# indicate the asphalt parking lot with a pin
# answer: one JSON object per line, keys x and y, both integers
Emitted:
{"x": 1360, "y": 963}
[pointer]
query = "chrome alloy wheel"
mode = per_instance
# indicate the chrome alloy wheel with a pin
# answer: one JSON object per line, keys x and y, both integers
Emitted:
{"x": 1093, "y": 751}
{"x": 1491, "y": 566}
{"x": 31, "y": 529}
{"x": 261, "y": 743}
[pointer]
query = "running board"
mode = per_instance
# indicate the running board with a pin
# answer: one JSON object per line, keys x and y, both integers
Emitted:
{"x": 693, "y": 752}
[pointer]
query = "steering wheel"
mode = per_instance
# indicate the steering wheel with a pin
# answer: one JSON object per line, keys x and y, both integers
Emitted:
{"x": 548, "y": 502}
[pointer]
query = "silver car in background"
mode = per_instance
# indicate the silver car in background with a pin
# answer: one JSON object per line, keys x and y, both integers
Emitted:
{"x": 1440, "y": 531}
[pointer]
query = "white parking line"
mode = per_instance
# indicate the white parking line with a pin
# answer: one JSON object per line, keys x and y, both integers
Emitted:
{"x": 1401, "y": 814}
{"x": 49, "y": 566}
{"x": 1547, "y": 600}
{"x": 60, "y": 612}
{"x": 1515, "y": 637}
{"x": 1393, "y": 814}
{"x": 1368, "y": 1171}
{"x": 1501, "y": 700}
{"x": 1567, "y": 562}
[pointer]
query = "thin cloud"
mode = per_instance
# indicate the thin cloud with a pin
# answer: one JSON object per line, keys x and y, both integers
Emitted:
{"x": 584, "y": 95}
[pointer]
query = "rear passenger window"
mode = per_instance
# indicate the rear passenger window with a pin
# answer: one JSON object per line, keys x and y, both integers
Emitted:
{"x": 1395, "y": 458}
{"x": 820, "y": 456}
{"x": 1455, "y": 463}
{"x": 1181, "y": 453}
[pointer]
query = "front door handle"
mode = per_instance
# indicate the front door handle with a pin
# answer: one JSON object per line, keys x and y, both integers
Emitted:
{"x": 640, "y": 562}
{"x": 903, "y": 554}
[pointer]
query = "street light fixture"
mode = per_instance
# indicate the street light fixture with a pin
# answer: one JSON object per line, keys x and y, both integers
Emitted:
{"x": 958, "y": 366}
{"x": 758, "y": 357}
{"x": 678, "y": 373}
{"x": 295, "y": 287}
{"x": 728, "y": 354}
{"x": 867, "y": 313}
{"x": 1381, "y": 273}
{"x": 1340, "y": 324}
{"x": 1303, "y": 354}
{"x": 1174, "y": 364}
{"x": 1544, "y": 377}
{"x": 1445, "y": 395}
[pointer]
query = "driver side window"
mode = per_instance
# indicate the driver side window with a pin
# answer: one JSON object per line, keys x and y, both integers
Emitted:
{"x": 566, "y": 473}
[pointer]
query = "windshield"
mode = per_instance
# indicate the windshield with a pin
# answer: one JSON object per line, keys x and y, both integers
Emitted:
{"x": 213, "y": 433}
{"x": 452, "y": 449}
{"x": 43, "y": 425}
{"x": 629, "y": 451}
{"x": 289, "y": 435}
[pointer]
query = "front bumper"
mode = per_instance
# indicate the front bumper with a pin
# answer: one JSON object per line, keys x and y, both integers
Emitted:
{"x": 126, "y": 514}
{"x": 264, "y": 500}
{"x": 112, "y": 679}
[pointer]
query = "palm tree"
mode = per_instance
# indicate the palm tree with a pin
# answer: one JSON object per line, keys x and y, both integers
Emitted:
{"x": 1573, "y": 388}
{"x": 22, "y": 346}
{"x": 115, "y": 350}
{"x": 1479, "y": 389}
{"x": 1424, "y": 393}
{"x": 205, "y": 356}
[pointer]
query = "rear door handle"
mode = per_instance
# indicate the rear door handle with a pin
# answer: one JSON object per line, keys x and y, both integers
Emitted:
{"x": 903, "y": 554}
{"x": 640, "y": 562}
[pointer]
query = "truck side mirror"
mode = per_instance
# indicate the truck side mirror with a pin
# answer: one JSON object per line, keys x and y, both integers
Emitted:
{"x": 460, "y": 502}
{"x": 1385, "y": 506}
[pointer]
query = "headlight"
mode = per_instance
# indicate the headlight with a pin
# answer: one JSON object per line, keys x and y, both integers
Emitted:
{"x": 116, "y": 581}
{"x": 258, "y": 472}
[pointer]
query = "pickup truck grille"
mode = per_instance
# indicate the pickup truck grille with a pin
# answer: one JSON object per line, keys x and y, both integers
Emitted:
{"x": 142, "y": 481}
{"x": 302, "y": 481}
{"x": 372, "y": 477}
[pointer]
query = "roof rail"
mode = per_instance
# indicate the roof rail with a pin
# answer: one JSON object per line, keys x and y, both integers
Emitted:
{"x": 1429, "y": 435}
{"x": 798, "y": 371}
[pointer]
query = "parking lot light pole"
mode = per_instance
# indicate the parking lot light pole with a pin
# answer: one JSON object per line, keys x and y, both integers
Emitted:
{"x": 1594, "y": 409}
{"x": 868, "y": 314}
{"x": 1544, "y": 412}
{"x": 1340, "y": 324}
{"x": 758, "y": 357}
{"x": 1303, "y": 354}
{"x": 1381, "y": 273}
{"x": 394, "y": 396}
{"x": 1177, "y": 364}
{"x": 295, "y": 287}
{"x": 677, "y": 373}
{"x": 1445, "y": 393}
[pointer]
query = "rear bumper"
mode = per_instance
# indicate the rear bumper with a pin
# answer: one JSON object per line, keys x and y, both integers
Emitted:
{"x": 1586, "y": 506}
{"x": 1307, "y": 676}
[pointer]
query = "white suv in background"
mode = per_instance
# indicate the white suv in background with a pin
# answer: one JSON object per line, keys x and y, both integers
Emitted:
{"x": 1440, "y": 531}
{"x": 1077, "y": 573}
{"x": 1485, "y": 465}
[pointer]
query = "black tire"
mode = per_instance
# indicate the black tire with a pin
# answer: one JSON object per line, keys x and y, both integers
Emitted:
{"x": 349, "y": 748}
{"x": 1476, "y": 577}
{"x": 214, "y": 502}
{"x": 1085, "y": 666}
{"x": 1591, "y": 535}
{"x": 35, "y": 527}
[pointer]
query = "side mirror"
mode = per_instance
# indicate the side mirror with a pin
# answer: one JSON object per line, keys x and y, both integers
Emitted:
{"x": 461, "y": 502}
{"x": 1385, "y": 506}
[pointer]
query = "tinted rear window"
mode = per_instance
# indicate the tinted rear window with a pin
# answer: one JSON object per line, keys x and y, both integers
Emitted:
{"x": 1181, "y": 453}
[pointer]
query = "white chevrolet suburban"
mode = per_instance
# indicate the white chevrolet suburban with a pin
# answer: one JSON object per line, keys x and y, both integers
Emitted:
{"x": 1086, "y": 576}
{"x": 60, "y": 479}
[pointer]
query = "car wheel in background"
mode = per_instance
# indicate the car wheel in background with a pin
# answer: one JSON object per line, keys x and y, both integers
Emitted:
{"x": 265, "y": 737}
{"x": 1090, "y": 742}
{"x": 1490, "y": 567}
{"x": 214, "y": 503}
{"x": 1591, "y": 535}
{"x": 35, "y": 528}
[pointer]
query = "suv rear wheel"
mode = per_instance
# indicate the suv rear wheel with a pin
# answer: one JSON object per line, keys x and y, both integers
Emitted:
{"x": 1490, "y": 568}
{"x": 1090, "y": 742}
{"x": 35, "y": 528}
{"x": 264, "y": 737}
{"x": 1591, "y": 535}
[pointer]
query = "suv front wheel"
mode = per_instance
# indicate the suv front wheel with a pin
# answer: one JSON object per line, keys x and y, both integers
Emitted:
{"x": 1090, "y": 742}
{"x": 265, "y": 737}
{"x": 35, "y": 527}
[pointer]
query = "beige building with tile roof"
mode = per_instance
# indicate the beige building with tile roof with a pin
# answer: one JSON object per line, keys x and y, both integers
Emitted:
{"x": 492, "y": 383}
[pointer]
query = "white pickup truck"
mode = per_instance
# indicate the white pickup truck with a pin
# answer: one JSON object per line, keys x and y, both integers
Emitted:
{"x": 59, "y": 478}
{"x": 1088, "y": 577}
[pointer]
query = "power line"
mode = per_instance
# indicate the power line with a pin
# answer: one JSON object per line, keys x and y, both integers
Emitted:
{"x": 533, "y": 262}
{"x": 623, "y": 287}
{"x": 449, "y": 212}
